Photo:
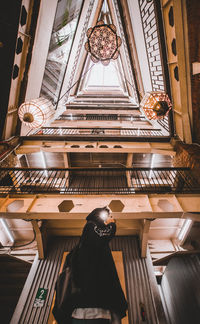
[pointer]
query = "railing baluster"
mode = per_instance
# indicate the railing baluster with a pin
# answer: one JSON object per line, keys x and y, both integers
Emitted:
{"x": 155, "y": 174}
{"x": 97, "y": 180}
{"x": 126, "y": 132}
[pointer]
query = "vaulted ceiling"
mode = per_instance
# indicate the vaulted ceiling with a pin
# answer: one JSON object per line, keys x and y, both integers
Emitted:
{"x": 69, "y": 65}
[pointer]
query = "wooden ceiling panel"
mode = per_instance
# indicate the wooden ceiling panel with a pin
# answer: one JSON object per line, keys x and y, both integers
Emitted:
{"x": 96, "y": 159}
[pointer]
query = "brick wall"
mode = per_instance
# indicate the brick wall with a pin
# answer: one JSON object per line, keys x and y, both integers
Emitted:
{"x": 149, "y": 18}
{"x": 188, "y": 155}
{"x": 150, "y": 28}
{"x": 193, "y": 13}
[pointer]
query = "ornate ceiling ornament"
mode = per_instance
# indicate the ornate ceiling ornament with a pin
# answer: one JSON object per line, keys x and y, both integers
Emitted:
{"x": 103, "y": 43}
{"x": 156, "y": 104}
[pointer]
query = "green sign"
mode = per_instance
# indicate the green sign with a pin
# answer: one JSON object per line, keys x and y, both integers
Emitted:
{"x": 40, "y": 297}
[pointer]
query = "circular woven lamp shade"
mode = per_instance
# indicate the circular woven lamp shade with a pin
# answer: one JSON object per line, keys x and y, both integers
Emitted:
{"x": 156, "y": 105}
{"x": 35, "y": 113}
{"x": 103, "y": 43}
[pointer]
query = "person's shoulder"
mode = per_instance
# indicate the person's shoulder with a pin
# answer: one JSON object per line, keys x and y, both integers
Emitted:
{"x": 90, "y": 224}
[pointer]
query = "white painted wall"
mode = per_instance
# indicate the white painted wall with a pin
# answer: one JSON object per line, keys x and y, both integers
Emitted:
{"x": 140, "y": 43}
{"x": 41, "y": 47}
{"x": 40, "y": 51}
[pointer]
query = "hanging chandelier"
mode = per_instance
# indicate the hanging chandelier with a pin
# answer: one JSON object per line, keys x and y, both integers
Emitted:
{"x": 156, "y": 104}
{"x": 36, "y": 112}
{"x": 103, "y": 43}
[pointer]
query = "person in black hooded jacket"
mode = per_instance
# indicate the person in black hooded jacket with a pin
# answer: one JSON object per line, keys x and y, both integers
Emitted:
{"x": 100, "y": 298}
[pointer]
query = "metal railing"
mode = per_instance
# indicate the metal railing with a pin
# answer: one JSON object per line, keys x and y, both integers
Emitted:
{"x": 105, "y": 132}
{"x": 101, "y": 117}
{"x": 97, "y": 181}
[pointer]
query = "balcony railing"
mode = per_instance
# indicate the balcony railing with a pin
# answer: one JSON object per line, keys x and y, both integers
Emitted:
{"x": 102, "y": 117}
{"x": 103, "y": 132}
{"x": 97, "y": 181}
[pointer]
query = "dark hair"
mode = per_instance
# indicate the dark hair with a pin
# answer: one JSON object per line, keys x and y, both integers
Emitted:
{"x": 94, "y": 216}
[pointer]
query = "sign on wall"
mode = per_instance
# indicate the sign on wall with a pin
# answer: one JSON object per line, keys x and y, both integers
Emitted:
{"x": 40, "y": 297}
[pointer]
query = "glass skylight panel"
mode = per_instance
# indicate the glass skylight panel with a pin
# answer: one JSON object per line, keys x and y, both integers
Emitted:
{"x": 101, "y": 75}
{"x": 64, "y": 28}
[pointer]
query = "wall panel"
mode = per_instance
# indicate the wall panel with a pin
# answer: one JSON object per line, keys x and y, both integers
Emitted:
{"x": 180, "y": 287}
{"x": 137, "y": 275}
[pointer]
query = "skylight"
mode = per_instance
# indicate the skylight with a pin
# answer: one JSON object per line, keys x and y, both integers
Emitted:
{"x": 64, "y": 28}
{"x": 106, "y": 76}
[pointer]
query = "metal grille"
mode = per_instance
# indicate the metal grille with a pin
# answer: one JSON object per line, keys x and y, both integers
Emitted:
{"x": 98, "y": 180}
{"x": 125, "y": 132}
{"x": 101, "y": 117}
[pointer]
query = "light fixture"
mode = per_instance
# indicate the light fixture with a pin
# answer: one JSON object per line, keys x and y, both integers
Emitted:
{"x": 104, "y": 215}
{"x": 103, "y": 43}
{"x": 7, "y": 229}
{"x": 36, "y": 112}
{"x": 156, "y": 104}
{"x": 185, "y": 230}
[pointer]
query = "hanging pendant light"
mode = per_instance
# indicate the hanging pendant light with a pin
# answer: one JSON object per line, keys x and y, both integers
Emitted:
{"x": 36, "y": 112}
{"x": 156, "y": 104}
{"x": 103, "y": 43}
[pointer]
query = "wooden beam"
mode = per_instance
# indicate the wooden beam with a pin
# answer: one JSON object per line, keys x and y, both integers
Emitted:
{"x": 129, "y": 163}
{"x": 29, "y": 146}
{"x": 3, "y": 202}
{"x": 145, "y": 206}
{"x": 194, "y": 216}
{"x": 182, "y": 46}
{"x": 164, "y": 260}
{"x": 31, "y": 204}
{"x": 79, "y": 216}
{"x": 144, "y": 237}
{"x": 39, "y": 239}
{"x": 66, "y": 164}
{"x": 181, "y": 91}
{"x": 26, "y": 149}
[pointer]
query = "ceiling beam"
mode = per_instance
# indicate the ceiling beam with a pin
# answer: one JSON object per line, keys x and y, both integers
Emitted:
{"x": 80, "y": 216}
{"x": 39, "y": 239}
{"x": 129, "y": 164}
{"x": 66, "y": 165}
{"x": 64, "y": 147}
{"x": 145, "y": 206}
{"x": 144, "y": 237}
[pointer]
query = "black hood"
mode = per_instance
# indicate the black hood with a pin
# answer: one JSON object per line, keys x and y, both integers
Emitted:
{"x": 94, "y": 216}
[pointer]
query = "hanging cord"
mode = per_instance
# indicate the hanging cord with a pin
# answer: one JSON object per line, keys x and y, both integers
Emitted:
{"x": 81, "y": 77}
{"x": 21, "y": 245}
{"x": 196, "y": 144}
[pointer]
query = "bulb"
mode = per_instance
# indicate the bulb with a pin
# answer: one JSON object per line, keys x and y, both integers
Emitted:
{"x": 104, "y": 215}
